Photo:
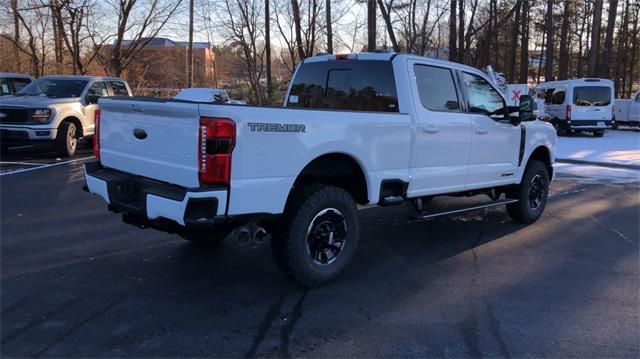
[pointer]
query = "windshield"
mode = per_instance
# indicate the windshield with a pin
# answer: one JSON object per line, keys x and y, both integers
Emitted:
{"x": 592, "y": 96}
{"x": 56, "y": 88}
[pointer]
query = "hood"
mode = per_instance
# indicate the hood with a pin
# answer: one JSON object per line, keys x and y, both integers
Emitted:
{"x": 34, "y": 101}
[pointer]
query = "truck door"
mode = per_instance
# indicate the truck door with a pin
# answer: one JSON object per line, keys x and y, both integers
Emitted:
{"x": 495, "y": 141}
{"x": 96, "y": 90}
{"x": 443, "y": 135}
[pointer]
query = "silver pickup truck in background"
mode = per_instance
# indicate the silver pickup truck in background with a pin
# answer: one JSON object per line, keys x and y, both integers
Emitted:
{"x": 55, "y": 111}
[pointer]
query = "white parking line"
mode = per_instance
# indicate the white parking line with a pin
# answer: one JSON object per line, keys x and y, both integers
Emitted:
{"x": 44, "y": 166}
{"x": 22, "y": 163}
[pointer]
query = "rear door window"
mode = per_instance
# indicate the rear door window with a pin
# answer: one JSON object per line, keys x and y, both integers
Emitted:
{"x": 119, "y": 88}
{"x": 592, "y": 96}
{"x": 345, "y": 85}
{"x": 436, "y": 88}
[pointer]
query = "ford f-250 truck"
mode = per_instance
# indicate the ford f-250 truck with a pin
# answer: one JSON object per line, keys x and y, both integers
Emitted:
{"x": 359, "y": 129}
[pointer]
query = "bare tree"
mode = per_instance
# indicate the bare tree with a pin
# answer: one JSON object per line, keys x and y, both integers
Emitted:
{"x": 385, "y": 10}
{"x": 524, "y": 43}
{"x": 595, "y": 38}
{"x": 242, "y": 25}
{"x": 83, "y": 42}
{"x": 371, "y": 25}
{"x": 563, "y": 62}
{"x": 515, "y": 31}
{"x": 605, "y": 66}
{"x": 453, "y": 50}
{"x": 329, "y": 29}
{"x": 141, "y": 20}
{"x": 549, "y": 27}
{"x": 267, "y": 45}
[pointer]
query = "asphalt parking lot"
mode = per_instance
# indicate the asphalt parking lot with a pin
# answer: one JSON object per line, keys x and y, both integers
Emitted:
{"x": 75, "y": 281}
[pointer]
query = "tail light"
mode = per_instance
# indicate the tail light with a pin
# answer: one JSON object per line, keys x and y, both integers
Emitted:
{"x": 96, "y": 135}
{"x": 216, "y": 141}
{"x": 568, "y": 117}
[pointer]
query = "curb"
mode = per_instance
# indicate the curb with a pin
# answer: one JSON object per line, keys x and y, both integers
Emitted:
{"x": 599, "y": 164}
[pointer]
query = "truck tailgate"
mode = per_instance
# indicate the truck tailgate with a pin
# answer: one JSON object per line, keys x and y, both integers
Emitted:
{"x": 154, "y": 139}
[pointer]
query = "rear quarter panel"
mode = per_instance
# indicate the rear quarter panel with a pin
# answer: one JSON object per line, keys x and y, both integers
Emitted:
{"x": 265, "y": 164}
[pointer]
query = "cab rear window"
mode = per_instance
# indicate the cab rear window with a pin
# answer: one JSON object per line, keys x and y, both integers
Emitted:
{"x": 345, "y": 85}
{"x": 592, "y": 96}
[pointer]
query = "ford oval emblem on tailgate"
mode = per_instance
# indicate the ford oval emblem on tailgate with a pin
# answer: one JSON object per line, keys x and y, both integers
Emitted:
{"x": 140, "y": 133}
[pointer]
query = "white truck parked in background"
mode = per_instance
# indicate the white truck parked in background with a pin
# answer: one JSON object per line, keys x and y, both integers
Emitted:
{"x": 55, "y": 111}
{"x": 355, "y": 129}
{"x": 627, "y": 111}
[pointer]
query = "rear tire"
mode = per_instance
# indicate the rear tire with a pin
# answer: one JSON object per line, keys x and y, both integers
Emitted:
{"x": 598, "y": 133}
{"x": 67, "y": 140}
{"x": 319, "y": 235}
{"x": 532, "y": 194}
{"x": 560, "y": 128}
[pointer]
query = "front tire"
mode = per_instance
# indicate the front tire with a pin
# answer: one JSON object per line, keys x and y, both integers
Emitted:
{"x": 561, "y": 129}
{"x": 319, "y": 235}
{"x": 532, "y": 194}
{"x": 67, "y": 140}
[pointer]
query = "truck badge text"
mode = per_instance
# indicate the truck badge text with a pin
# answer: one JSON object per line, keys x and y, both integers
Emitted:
{"x": 276, "y": 127}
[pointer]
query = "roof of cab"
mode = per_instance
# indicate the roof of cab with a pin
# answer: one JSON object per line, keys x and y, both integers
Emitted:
{"x": 582, "y": 81}
{"x": 14, "y": 75}
{"x": 90, "y": 78}
{"x": 391, "y": 56}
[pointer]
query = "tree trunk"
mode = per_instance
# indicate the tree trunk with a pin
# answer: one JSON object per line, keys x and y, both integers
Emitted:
{"x": 620, "y": 53}
{"x": 514, "y": 43}
{"x": 453, "y": 53}
{"x": 295, "y": 7}
{"x": 16, "y": 34}
{"x": 548, "y": 59}
{"x": 544, "y": 34}
{"x": 634, "y": 51}
{"x": 387, "y": 20}
{"x": 461, "y": 49}
{"x": 524, "y": 43}
{"x": 563, "y": 63}
{"x": 329, "y": 30}
{"x": 605, "y": 66}
{"x": 595, "y": 38}
{"x": 190, "y": 48}
{"x": 267, "y": 45}
{"x": 371, "y": 25}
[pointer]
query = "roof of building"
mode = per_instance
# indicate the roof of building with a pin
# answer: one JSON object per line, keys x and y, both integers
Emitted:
{"x": 165, "y": 42}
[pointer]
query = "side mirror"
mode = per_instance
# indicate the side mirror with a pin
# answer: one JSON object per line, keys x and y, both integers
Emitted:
{"x": 525, "y": 111}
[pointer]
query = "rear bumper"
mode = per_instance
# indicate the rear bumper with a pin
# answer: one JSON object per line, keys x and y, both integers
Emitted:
{"x": 145, "y": 202}
{"x": 589, "y": 125}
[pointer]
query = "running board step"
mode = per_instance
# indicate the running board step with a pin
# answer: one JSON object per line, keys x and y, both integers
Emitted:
{"x": 499, "y": 202}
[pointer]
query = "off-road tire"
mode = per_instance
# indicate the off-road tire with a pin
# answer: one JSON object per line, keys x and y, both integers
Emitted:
{"x": 523, "y": 211}
{"x": 598, "y": 133}
{"x": 290, "y": 244}
{"x": 66, "y": 142}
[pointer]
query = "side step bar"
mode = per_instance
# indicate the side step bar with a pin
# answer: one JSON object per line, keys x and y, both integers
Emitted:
{"x": 499, "y": 202}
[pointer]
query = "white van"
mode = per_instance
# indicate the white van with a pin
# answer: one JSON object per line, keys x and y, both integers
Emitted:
{"x": 578, "y": 105}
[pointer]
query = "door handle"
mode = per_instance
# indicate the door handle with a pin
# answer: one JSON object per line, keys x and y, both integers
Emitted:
{"x": 481, "y": 130}
{"x": 430, "y": 129}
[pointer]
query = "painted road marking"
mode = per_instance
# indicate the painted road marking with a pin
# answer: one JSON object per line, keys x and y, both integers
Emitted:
{"x": 44, "y": 166}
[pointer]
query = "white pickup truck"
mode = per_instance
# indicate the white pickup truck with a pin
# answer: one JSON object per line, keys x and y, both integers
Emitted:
{"x": 359, "y": 129}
